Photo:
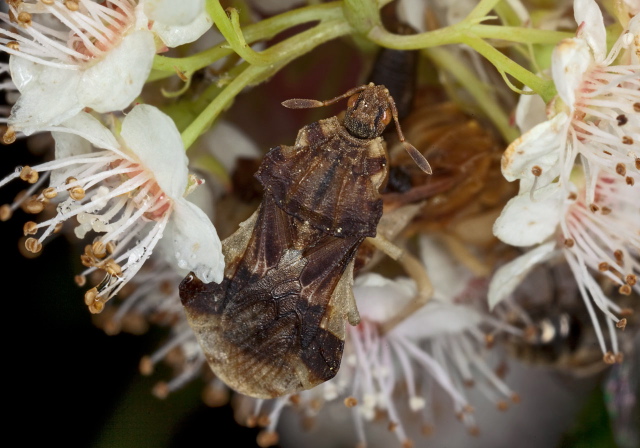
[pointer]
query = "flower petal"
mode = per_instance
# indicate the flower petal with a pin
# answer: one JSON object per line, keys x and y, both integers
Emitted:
{"x": 48, "y": 95}
{"x": 540, "y": 147}
{"x": 507, "y": 278}
{"x": 153, "y": 137}
{"x": 531, "y": 111}
{"x": 225, "y": 135}
{"x": 176, "y": 35}
{"x": 195, "y": 243}
{"x": 524, "y": 222}
{"x": 115, "y": 82}
{"x": 169, "y": 12}
{"x": 589, "y": 18}
{"x": 89, "y": 128}
{"x": 569, "y": 61}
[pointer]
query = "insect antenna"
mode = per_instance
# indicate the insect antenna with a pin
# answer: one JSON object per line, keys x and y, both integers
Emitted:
{"x": 300, "y": 103}
{"x": 416, "y": 155}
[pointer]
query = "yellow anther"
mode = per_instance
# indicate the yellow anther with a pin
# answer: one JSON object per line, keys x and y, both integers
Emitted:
{"x": 72, "y": 5}
{"x": 33, "y": 206}
{"x": 90, "y": 296}
{"x": 28, "y": 174}
{"x": 350, "y": 402}
{"x": 96, "y": 307}
{"x": 80, "y": 280}
{"x": 146, "y": 366}
{"x": 5, "y": 212}
{"x": 77, "y": 193}
{"x": 30, "y": 228}
{"x": 50, "y": 192}
{"x": 267, "y": 438}
{"x": 98, "y": 249}
{"x": 113, "y": 268}
{"x": 33, "y": 245}
{"x": 13, "y": 45}
{"x": 24, "y": 18}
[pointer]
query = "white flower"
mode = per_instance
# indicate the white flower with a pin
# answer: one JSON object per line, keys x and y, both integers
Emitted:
{"x": 602, "y": 239}
{"x": 131, "y": 192}
{"x": 66, "y": 56}
{"x": 595, "y": 114}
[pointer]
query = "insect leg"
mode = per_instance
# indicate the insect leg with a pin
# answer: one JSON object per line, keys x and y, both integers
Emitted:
{"x": 415, "y": 270}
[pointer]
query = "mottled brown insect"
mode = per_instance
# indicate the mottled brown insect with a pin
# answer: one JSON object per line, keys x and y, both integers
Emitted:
{"x": 276, "y": 323}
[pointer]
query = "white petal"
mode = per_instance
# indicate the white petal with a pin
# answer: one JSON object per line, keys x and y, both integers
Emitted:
{"x": 588, "y": 14}
{"x": 224, "y": 136}
{"x": 176, "y": 35}
{"x": 116, "y": 81}
{"x": 448, "y": 276}
{"x": 172, "y": 12}
{"x": 569, "y": 61}
{"x": 540, "y": 147}
{"x": 90, "y": 128}
{"x": 524, "y": 223}
{"x": 379, "y": 298}
{"x": 195, "y": 242}
{"x": 48, "y": 95}
{"x": 507, "y": 278}
{"x": 153, "y": 137}
{"x": 530, "y": 111}
{"x": 438, "y": 318}
{"x": 67, "y": 145}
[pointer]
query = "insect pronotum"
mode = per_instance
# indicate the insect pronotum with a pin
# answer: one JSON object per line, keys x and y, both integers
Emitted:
{"x": 276, "y": 323}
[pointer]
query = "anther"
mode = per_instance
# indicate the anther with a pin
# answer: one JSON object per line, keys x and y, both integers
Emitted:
{"x": 626, "y": 312}
{"x": 30, "y": 228}
{"x": 536, "y": 171}
{"x": 618, "y": 255}
{"x": 90, "y": 296}
{"x": 392, "y": 426}
{"x": 70, "y": 180}
{"x": 113, "y": 268}
{"x": 502, "y": 405}
{"x": 515, "y": 397}
{"x": 569, "y": 242}
{"x": 80, "y": 280}
{"x": 630, "y": 181}
{"x": 627, "y": 140}
{"x": 96, "y": 307}
{"x": 111, "y": 247}
{"x": 625, "y": 290}
{"x": 33, "y": 206}
{"x": 77, "y": 193}
{"x": 609, "y": 358}
{"x": 622, "y": 323}
{"x": 572, "y": 196}
{"x": 263, "y": 420}
{"x": 266, "y": 439}
{"x": 146, "y": 366}
{"x": 619, "y": 357}
{"x": 427, "y": 430}
{"x": 594, "y": 207}
{"x": 407, "y": 443}
{"x": 621, "y": 169}
{"x": 13, "y": 45}
{"x": 72, "y": 5}
{"x": 622, "y": 119}
{"x": 24, "y": 18}
{"x": 350, "y": 402}
{"x": 161, "y": 390}
{"x": 98, "y": 249}
{"x": 28, "y": 174}
{"x": 87, "y": 261}
{"x": 631, "y": 279}
{"x": 636, "y": 107}
{"x": 603, "y": 267}
{"x": 605, "y": 210}
{"x": 33, "y": 245}
{"x": 294, "y": 399}
{"x": 638, "y": 163}
{"x": 47, "y": 2}
{"x": 5, "y": 212}
{"x": 49, "y": 193}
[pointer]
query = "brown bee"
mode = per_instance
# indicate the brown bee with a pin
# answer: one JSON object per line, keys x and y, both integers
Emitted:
{"x": 276, "y": 323}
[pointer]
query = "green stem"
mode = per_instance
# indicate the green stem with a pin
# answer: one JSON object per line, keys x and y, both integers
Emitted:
{"x": 165, "y": 67}
{"x": 542, "y": 87}
{"x": 482, "y": 9}
{"x": 283, "y": 53}
{"x": 455, "y": 34}
{"x": 447, "y": 61}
